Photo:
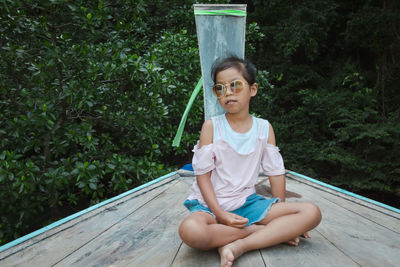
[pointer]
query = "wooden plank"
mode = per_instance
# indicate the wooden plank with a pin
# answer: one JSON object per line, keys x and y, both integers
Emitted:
{"x": 364, "y": 241}
{"x": 149, "y": 237}
{"x": 386, "y": 221}
{"x": 54, "y": 245}
{"x": 350, "y": 198}
{"x": 188, "y": 180}
{"x": 189, "y": 257}
{"x": 379, "y": 215}
{"x": 316, "y": 251}
{"x": 251, "y": 258}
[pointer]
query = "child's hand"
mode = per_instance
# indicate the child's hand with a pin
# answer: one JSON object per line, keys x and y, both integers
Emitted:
{"x": 232, "y": 219}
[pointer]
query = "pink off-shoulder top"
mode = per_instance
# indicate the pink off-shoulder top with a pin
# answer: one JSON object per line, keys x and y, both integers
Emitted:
{"x": 234, "y": 174}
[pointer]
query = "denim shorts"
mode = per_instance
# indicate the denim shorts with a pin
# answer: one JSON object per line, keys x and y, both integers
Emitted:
{"x": 255, "y": 208}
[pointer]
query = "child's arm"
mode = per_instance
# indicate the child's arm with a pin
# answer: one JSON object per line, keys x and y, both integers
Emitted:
{"x": 278, "y": 186}
{"x": 207, "y": 190}
{"x": 277, "y": 182}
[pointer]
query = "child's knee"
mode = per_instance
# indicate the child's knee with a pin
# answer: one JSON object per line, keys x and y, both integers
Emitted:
{"x": 186, "y": 227}
{"x": 314, "y": 212}
{"x": 194, "y": 235}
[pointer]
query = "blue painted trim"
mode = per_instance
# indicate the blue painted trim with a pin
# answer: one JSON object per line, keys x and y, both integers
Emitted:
{"x": 80, "y": 213}
{"x": 345, "y": 192}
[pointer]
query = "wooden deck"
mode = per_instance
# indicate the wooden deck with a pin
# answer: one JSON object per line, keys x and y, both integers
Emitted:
{"x": 140, "y": 229}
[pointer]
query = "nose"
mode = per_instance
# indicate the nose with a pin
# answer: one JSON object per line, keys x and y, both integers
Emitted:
{"x": 229, "y": 90}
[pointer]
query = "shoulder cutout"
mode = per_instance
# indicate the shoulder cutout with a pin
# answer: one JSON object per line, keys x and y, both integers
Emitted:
{"x": 271, "y": 137}
{"x": 206, "y": 135}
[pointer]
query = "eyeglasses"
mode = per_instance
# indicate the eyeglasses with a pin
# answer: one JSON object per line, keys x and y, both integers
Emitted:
{"x": 220, "y": 89}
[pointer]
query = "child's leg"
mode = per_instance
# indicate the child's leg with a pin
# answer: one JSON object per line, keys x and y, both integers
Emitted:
{"x": 283, "y": 222}
{"x": 201, "y": 230}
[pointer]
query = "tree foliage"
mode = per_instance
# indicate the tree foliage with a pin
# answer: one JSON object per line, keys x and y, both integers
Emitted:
{"x": 334, "y": 66}
{"x": 91, "y": 94}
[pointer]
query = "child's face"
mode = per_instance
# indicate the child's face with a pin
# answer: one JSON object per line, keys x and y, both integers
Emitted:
{"x": 231, "y": 102}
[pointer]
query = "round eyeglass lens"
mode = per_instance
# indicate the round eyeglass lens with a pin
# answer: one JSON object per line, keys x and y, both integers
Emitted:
{"x": 218, "y": 90}
{"x": 237, "y": 86}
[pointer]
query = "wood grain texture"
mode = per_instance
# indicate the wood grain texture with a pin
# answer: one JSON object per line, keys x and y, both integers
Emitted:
{"x": 142, "y": 230}
{"x": 364, "y": 241}
{"x": 317, "y": 251}
{"x": 149, "y": 237}
{"x": 189, "y": 257}
{"x": 251, "y": 258}
{"x": 54, "y": 245}
{"x": 350, "y": 199}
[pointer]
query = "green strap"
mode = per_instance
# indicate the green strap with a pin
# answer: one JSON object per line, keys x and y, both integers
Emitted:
{"x": 178, "y": 136}
{"x": 239, "y": 13}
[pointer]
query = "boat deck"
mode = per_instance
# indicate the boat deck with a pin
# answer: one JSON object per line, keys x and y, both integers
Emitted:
{"x": 141, "y": 229}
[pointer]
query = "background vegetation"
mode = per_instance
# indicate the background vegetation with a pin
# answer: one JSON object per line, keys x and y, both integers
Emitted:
{"x": 91, "y": 94}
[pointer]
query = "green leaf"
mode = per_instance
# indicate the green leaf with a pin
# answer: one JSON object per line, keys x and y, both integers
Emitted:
{"x": 91, "y": 167}
{"x": 21, "y": 188}
{"x": 92, "y": 186}
{"x": 111, "y": 166}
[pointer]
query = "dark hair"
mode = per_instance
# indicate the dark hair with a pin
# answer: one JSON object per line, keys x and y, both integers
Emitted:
{"x": 245, "y": 67}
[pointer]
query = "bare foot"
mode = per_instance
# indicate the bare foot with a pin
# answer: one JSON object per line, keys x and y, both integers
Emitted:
{"x": 306, "y": 235}
{"x": 294, "y": 242}
{"x": 229, "y": 253}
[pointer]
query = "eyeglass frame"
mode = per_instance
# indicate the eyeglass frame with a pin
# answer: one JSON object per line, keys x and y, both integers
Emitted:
{"x": 224, "y": 86}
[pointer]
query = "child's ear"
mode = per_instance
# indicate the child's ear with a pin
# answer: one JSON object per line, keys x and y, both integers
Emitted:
{"x": 253, "y": 89}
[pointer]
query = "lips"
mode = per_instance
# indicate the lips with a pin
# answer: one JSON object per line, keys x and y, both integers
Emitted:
{"x": 230, "y": 102}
